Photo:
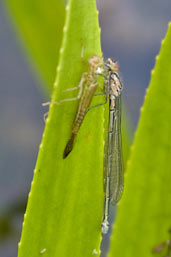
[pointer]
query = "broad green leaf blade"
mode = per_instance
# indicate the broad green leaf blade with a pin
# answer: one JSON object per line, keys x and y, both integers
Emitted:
{"x": 144, "y": 214}
{"x": 40, "y": 24}
{"x": 64, "y": 212}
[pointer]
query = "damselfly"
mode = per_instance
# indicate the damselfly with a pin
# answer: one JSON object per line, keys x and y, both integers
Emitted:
{"x": 113, "y": 170}
{"x": 88, "y": 85}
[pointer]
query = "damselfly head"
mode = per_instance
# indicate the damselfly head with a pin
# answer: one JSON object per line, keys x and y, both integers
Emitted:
{"x": 112, "y": 65}
{"x": 95, "y": 63}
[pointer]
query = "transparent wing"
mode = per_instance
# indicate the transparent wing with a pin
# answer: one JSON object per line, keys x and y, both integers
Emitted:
{"x": 115, "y": 162}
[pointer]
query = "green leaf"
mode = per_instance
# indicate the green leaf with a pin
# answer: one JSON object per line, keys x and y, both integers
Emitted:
{"x": 144, "y": 214}
{"x": 64, "y": 211}
{"x": 40, "y": 23}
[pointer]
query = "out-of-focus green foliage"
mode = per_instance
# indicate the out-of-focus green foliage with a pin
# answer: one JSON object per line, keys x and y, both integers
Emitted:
{"x": 40, "y": 24}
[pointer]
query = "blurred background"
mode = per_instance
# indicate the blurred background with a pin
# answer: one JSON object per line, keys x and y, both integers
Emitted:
{"x": 131, "y": 33}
